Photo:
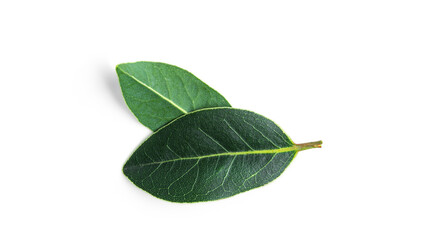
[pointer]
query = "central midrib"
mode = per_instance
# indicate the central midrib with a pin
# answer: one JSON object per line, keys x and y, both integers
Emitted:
{"x": 150, "y": 88}
{"x": 265, "y": 151}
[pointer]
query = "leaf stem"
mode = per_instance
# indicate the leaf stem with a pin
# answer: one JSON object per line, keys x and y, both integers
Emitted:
{"x": 309, "y": 145}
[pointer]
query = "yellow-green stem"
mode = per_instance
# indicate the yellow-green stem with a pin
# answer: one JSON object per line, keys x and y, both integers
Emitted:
{"x": 309, "y": 145}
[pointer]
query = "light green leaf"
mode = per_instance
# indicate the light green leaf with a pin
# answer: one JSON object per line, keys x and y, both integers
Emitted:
{"x": 157, "y": 93}
{"x": 211, "y": 154}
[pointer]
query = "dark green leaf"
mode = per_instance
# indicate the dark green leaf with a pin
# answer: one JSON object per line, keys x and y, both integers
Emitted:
{"x": 157, "y": 93}
{"x": 211, "y": 154}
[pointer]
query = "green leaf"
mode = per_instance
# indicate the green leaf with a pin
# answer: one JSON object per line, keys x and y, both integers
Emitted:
{"x": 157, "y": 93}
{"x": 211, "y": 154}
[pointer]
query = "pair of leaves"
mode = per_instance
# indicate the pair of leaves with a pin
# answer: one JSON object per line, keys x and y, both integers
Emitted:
{"x": 208, "y": 154}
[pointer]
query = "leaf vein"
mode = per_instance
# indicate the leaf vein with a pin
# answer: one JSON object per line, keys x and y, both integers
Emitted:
{"x": 182, "y": 176}
{"x": 256, "y": 173}
{"x": 268, "y": 139}
{"x": 156, "y": 92}
{"x": 243, "y": 140}
{"x": 213, "y": 139}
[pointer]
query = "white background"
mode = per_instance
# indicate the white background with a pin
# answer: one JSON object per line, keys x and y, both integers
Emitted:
{"x": 350, "y": 73}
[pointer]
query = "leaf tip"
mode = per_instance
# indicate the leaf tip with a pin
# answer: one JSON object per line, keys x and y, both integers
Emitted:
{"x": 118, "y": 67}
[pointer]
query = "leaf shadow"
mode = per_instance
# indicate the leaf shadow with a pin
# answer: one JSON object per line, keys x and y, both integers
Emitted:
{"x": 112, "y": 85}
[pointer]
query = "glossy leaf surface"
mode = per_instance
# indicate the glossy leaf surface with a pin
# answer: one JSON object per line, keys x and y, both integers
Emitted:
{"x": 211, "y": 154}
{"x": 157, "y": 93}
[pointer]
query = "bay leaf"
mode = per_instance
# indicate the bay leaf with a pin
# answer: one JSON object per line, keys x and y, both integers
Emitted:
{"x": 157, "y": 93}
{"x": 211, "y": 154}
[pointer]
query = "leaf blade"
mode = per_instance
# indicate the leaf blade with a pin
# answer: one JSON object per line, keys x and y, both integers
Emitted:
{"x": 157, "y": 93}
{"x": 180, "y": 163}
